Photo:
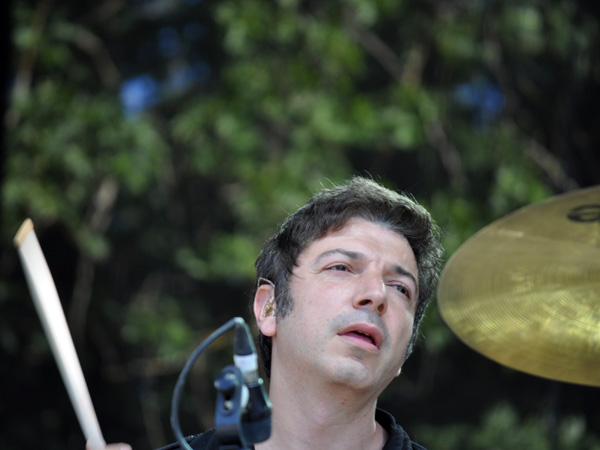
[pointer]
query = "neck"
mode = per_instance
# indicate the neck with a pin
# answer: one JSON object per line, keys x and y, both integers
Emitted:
{"x": 307, "y": 415}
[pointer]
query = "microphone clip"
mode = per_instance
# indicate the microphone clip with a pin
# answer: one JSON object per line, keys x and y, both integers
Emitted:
{"x": 228, "y": 410}
{"x": 243, "y": 410}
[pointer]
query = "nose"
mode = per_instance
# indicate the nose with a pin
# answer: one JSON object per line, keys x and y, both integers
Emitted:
{"x": 371, "y": 294}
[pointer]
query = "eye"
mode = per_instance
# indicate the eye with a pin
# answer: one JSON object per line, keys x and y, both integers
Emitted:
{"x": 403, "y": 289}
{"x": 339, "y": 268}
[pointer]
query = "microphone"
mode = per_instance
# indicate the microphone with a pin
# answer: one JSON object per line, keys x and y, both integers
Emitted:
{"x": 256, "y": 417}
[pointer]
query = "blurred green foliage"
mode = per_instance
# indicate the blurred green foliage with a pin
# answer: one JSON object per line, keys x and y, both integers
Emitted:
{"x": 151, "y": 220}
{"x": 502, "y": 428}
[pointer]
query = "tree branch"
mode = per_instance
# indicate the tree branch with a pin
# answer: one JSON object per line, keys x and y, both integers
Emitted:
{"x": 95, "y": 48}
{"x": 373, "y": 45}
{"x": 448, "y": 153}
{"x": 551, "y": 166}
{"x": 26, "y": 64}
{"x": 97, "y": 218}
{"x": 409, "y": 73}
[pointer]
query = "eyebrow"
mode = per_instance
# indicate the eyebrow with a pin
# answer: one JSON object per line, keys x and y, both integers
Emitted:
{"x": 357, "y": 256}
{"x": 340, "y": 251}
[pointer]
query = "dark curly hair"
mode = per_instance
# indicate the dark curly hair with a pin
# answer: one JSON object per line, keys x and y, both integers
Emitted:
{"x": 330, "y": 210}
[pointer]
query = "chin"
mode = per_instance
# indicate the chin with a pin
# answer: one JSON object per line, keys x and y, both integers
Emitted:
{"x": 353, "y": 375}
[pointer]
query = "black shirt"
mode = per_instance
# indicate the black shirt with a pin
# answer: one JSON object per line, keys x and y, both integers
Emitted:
{"x": 397, "y": 437}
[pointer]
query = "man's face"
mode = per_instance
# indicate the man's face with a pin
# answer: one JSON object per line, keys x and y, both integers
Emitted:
{"x": 354, "y": 296}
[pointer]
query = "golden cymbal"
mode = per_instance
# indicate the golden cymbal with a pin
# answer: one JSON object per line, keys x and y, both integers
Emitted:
{"x": 525, "y": 290}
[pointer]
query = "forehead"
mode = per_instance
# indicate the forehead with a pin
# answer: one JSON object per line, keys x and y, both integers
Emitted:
{"x": 373, "y": 239}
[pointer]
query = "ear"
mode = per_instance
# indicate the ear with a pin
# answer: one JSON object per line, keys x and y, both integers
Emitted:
{"x": 267, "y": 324}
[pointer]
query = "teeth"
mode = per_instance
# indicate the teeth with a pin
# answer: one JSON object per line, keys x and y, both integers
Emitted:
{"x": 362, "y": 333}
{"x": 367, "y": 335}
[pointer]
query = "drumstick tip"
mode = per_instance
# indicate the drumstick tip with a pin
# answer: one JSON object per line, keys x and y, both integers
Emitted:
{"x": 25, "y": 228}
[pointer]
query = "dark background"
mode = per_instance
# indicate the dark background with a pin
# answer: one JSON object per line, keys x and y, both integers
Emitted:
{"x": 157, "y": 144}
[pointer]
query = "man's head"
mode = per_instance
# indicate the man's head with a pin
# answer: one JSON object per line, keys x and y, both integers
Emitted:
{"x": 329, "y": 211}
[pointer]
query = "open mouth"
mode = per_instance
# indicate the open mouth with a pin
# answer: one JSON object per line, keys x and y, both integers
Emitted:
{"x": 363, "y": 336}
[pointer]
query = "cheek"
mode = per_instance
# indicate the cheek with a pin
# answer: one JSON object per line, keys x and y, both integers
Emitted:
{"x": 403, "y": 324}
{"x": 319, "y": 296}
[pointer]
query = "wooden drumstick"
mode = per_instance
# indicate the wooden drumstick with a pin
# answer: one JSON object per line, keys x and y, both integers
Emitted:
{"x": 49, "y": 308}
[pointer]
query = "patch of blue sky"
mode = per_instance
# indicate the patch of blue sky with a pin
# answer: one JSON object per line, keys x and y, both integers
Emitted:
{"x": 484, "y": 98}
{"x": 139, "y": 93}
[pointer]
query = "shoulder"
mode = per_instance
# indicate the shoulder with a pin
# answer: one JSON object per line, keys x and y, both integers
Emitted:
{"x": 202, "y": 441}
{"x": 398, "y": 439}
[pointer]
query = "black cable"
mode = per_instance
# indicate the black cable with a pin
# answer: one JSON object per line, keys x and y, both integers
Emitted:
{"x": 185, "y": 372}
